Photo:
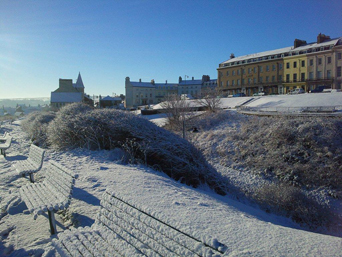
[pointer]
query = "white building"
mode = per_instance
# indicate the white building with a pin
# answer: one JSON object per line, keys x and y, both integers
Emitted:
{"x": 146, "y": 93}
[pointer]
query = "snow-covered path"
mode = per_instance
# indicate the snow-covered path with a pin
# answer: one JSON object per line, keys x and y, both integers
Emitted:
{"x": 246, "y": 231}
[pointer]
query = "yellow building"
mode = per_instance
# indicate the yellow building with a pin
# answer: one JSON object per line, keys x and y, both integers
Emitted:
{"x": 295, "y": 73}
{"x": 279, "y": 71}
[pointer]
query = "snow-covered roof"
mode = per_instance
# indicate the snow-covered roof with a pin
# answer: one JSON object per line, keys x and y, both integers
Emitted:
{"x": 66, "y": 97}
{"x": 142, "y": 84}
{"x": 109, "y": 98}
{"x": 284, "y": 50}
{"x": 191, "y": 82}
{"x": 79, "y": 82}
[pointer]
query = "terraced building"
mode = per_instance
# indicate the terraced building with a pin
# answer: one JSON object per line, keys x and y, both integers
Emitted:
{"x": 279, "y": 71}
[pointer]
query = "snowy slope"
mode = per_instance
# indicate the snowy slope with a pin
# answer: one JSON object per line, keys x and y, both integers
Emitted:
{"x": 245, "y": 230}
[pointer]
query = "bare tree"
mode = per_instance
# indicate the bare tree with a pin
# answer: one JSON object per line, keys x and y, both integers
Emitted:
{"x": 177, "y": 110}
{"x": 210, "y": 98}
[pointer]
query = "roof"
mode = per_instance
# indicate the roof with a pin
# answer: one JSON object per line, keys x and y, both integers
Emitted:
{"x": 149, "y": 84}
{"x": 109, "y": 98}
{"x": 283, "y": 50}
{"x": 79, "y": 82}
{"x": 191, "y": 82}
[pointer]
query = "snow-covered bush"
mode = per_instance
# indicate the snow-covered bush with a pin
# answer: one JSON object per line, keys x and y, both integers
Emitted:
{"x": 301, "y": 151}
{"x": 290, "y": 201}
{"x": 144, "y": 142}
{"x": 36, "y": 124}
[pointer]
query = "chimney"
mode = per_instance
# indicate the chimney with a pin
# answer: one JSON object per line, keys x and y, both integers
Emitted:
{"x": 192, "y": 78}
{"x": 180, "y": 79}
{"x": 140, "y": 80}
{"x": 298, "y": 43}
{"x": 321, "y": 38}
{"x": 152, "y": 82}
{"x": 232, "y": 56}
{"x": 205, "y": 78}
{"x": 165, "y": 81}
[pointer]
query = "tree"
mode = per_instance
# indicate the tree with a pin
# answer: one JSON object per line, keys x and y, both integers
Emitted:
{"x": 210, "y": 98}
{"x": 177, "y": 110}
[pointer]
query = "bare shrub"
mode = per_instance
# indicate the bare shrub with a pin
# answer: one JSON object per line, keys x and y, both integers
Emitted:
{"x": 35, "y": 125}
{"x": 292, "y": 202}
{"x": 301, "y": 151}
{"x": 142, "y": 140}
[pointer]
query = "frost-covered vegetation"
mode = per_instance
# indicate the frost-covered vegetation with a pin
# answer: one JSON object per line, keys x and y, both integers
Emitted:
{"x": 295, "y": 155}
{"x": 79, "y": 126}
{"x": 36, "y": 124}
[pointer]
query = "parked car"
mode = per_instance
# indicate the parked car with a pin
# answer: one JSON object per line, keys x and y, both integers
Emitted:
{"x": 297, "y": 91}
{"x": 317, "y": 89}
{"x": 239, "y": 95}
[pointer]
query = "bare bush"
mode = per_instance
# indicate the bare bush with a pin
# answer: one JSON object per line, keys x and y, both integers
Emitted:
{"x": 143, "y": 141}
{"x": 210, "y": 98}
{"x": 36, "y": 124}
{"x": 290, "y": 201}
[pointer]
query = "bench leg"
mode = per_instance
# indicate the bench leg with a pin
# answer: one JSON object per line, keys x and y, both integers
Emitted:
{"x": 52, "y": 222}
{"x": 32, "y": 178}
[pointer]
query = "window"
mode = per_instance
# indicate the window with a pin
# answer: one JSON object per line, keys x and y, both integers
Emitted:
{"x": 242, "y": 81}
{"x": 249, "y": 70}
{"x": 254, "y": 69}
{"x": 260, "y": 79}
{"x": 243, "y": 71}
{"x": 273, "y": 67}
{"x": 280, "y": 78}
{"x": 338, "y": 71}
{"x": 273, "y": 78}
{"x": 238, "y": 82}
{"x": 227, "y": 73}
{"x": 294, "y": 77}
{"x": 311, "y": 62}
{"x": 287, "y": 65}
{"x": 233, "y": 82}
{"x": 329, "y": 59}
{"x": 303, "y": 63}
{"x": 311, "y": 75}
{"x": 260, "y": 68}
{"x": 249, "y": 81}
{"x": 287, "y": 77}
{"x": 280, "y": 66}
{"x": 302, "y": 76}
{"x": 267, "y": 68}
{"x": 328, "y": 74}
{"x": 319, "y": 61}
{"x": 339, "y": 56}
{"x": 294, "y": 64}
{"x": 266, "y": 78}
{"x": 238, "y": 72}
{"x": 227, "y": 83}
{"x": 233, "y": 72}
{"x": 319, "y": 74}
{"x": 255, "y": 80}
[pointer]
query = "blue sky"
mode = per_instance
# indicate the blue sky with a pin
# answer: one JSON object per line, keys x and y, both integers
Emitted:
{"x": 42, "y": 41}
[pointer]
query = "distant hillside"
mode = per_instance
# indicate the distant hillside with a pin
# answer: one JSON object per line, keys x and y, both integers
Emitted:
{"x": 24, "y": 101}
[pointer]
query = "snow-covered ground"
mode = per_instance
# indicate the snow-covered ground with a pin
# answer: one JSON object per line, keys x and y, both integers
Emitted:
{"x": 246, "y": 231}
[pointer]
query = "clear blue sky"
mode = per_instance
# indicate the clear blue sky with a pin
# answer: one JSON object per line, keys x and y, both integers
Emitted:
{"x": 42, "y": 41}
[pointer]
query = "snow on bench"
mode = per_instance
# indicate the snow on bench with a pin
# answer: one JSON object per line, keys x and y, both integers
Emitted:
{"x": 4, "y": 145}
{"x": 51, "y": 195}
{"x": 123, "y": 229}
{"x": 32, "y": 164}
{"x": 4, "y": 136}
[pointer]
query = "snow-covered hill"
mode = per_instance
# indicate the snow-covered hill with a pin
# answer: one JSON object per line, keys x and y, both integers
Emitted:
{"x": 246, "y": 231}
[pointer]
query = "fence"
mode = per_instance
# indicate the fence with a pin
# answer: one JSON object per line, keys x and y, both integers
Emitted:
{"x": 290, "y": 110}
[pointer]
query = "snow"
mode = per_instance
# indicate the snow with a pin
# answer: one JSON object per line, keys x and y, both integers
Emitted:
{"x": 245, "y": 230}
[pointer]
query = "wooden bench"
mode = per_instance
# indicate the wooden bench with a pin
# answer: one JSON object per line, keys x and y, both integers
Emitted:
{"x": 124, "y": 229}
{"x": 51, "y": 195}
{"x": 4, "y": 145}
{"x": 32, "y": 164}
